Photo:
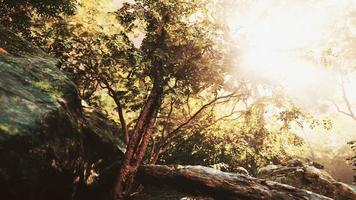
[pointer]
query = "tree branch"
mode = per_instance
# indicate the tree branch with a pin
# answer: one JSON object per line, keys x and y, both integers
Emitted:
{"x": 349, "y": 111}
{"x": 120, "y": 112}
{"x": 347, "y": 102}
{"x": 164, "y": 144}
{"x": 167, "y": 118}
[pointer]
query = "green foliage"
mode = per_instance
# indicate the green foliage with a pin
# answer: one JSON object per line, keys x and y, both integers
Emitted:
{"x": 184, "y": 51}
{"x": 97, "y": 58}
{"x": 234, "y": 149}
{"x": 246, "y": 141}
{"x": 18, "y": 14}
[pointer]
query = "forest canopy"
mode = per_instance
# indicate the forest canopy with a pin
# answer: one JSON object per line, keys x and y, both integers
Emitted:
{"x": 225, "y": 84}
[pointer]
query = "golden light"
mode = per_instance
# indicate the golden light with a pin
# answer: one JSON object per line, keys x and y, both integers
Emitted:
{"x": 282, "y": 41}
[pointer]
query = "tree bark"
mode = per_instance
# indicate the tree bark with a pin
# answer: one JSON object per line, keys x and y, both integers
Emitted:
{"x": 155, "y": 155}
{"x": 198, "y": 180}
{"x": 138, "y": 141}
{"x": 122, "y": 121}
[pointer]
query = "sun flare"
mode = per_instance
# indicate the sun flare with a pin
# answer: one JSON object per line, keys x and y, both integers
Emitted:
{"x": 283, "y": 42}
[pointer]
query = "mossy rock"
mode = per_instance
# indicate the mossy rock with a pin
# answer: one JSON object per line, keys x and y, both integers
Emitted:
{"x": 309, "y": 176}
{"x": 44, "y": 135}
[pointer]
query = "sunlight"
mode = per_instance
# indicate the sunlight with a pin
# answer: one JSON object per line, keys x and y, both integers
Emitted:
{"x": 284, "y": 42}
{"x": 281, "y": 42}
{"x": 178, "y": 93}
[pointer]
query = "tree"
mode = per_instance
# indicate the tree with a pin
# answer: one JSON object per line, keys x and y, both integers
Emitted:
{"x": 244, "y": 139}
{"x": 178, "y": 56}
{"x": 349, "y": 113}
{"x": 192, "y": 119}
{"x": 205, "y": 181}
{"x": 182, "y": 58}
{"x": 18, "y": 14}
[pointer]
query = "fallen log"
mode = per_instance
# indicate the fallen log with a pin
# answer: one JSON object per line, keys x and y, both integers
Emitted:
{"x": 199, "y": 180}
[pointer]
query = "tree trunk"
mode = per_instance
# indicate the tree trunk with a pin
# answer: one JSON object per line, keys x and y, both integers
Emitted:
{"x": 122, "y": 121}
{"x": 198, "y": 180}
{"x": 156, "y": 152}
{"x": 138, "y": 141}
{"x": 154, "y": 157}
{"x": 124, "y": 127}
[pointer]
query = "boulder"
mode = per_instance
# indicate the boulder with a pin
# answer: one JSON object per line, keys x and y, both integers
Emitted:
{"x": 48, "y": 142}
{"x": 309, "y": 176}
{"x": 241, "y": 170}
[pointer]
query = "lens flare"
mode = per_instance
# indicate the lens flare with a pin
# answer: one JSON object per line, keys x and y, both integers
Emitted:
{"x": 284, "y": 41}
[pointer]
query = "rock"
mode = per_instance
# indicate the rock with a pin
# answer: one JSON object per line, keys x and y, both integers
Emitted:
{"x": 294, "y": 163}
{"x": 47, "y": 141}
{"x": 267, "y": 169}
{"x": 241, "y": 170}
{"x": 353, "y": 187}
{"x": 317, "y": 165}
{"x": 101, "y": 138}
{"x": 309, "y": 176}
{"x": 39, "y": 123}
